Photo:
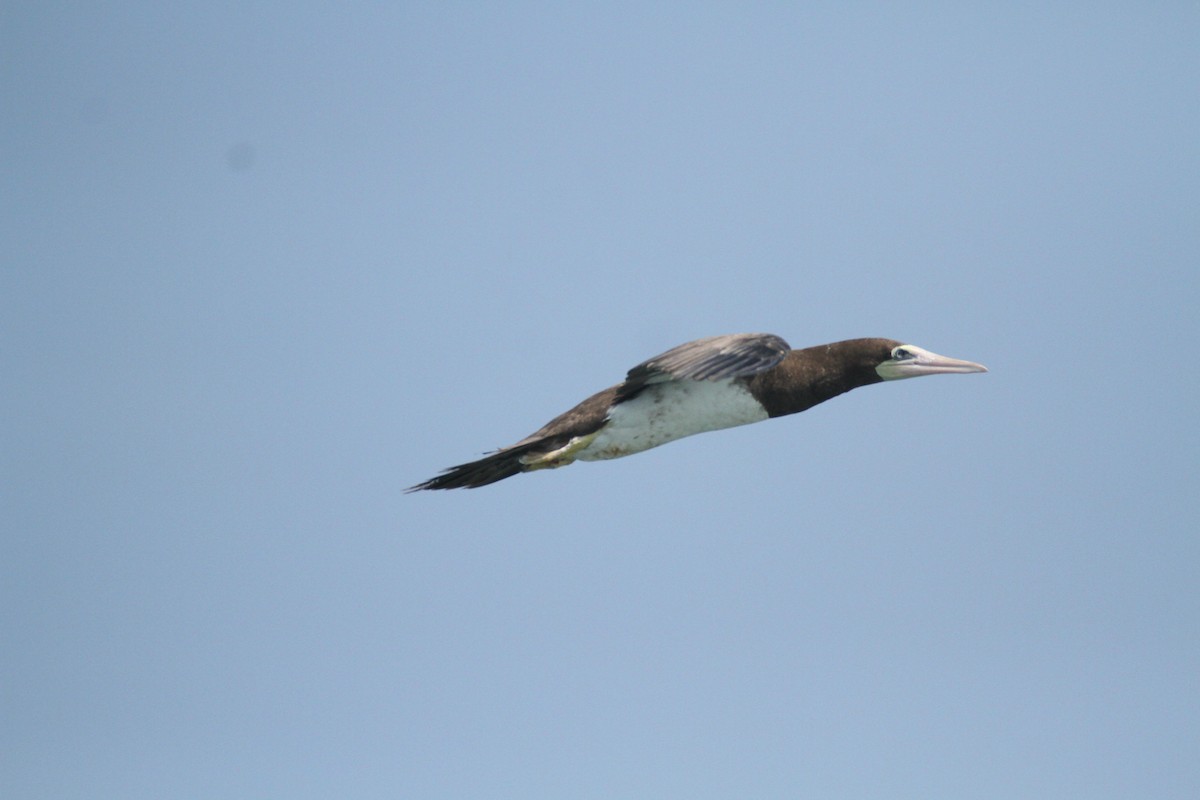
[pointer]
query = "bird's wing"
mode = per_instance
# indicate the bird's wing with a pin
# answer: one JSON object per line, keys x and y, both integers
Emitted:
{"x": 734, "y": 355}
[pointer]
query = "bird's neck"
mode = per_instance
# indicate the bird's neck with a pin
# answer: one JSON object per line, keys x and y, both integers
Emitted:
{"x": 808, "y": 377}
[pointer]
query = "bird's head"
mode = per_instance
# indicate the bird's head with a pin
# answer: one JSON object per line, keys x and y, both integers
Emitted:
{"x": 910, "y": 361}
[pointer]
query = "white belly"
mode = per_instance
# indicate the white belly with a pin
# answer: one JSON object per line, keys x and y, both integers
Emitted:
{"x": 668, "y": 411}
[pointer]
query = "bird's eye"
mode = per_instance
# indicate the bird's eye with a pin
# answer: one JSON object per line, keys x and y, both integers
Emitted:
{"x": 900, "y": 354}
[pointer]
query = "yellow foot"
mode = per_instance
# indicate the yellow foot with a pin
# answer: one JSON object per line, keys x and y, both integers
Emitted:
{"x": 560, "y": 457}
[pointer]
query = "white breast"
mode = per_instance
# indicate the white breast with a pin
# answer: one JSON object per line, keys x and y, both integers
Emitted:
{"x": 668, "y": 411}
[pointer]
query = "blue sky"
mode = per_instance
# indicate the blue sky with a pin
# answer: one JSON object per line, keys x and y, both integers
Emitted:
{"x": 262, "y": 266}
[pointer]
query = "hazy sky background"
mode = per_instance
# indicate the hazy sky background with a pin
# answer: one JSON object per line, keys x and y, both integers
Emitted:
{"x": 265, "y": 265}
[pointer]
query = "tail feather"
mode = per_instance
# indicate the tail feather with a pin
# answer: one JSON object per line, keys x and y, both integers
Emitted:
{"x": 489, "y": 469}
{"x": 554, "y": 445}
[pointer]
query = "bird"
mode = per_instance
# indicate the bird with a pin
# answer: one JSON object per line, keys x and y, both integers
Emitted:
{"x": 704, "y": 385}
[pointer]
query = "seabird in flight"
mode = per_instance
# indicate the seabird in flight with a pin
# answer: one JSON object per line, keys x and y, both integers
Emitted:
{"x": 705, "y": 385}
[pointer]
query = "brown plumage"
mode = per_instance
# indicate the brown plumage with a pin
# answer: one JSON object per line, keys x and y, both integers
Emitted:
{"x": 708, "y": 384}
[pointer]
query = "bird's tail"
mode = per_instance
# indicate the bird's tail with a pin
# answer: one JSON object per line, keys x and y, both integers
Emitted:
{"x": 491, "y": 468}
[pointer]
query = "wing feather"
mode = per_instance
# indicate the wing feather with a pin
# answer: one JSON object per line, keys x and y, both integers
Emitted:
{"x": 734, "y": 355}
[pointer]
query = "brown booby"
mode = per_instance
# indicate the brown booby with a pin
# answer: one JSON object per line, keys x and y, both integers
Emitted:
{"x": 705, "y": 385}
